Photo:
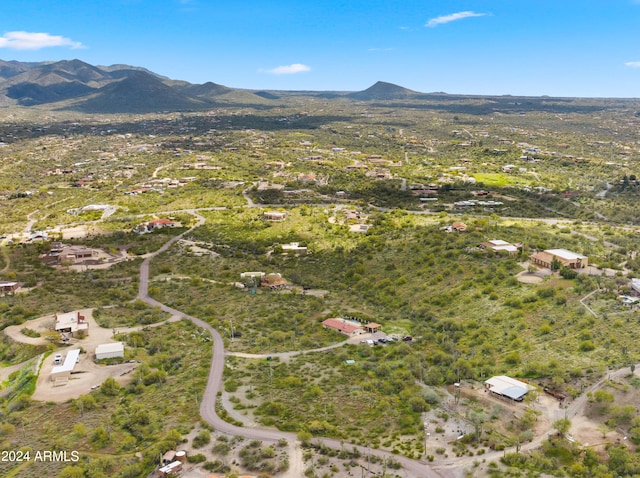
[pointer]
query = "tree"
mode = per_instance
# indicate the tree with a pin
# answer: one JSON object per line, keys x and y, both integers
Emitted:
{"x": 562, "y": 426}
{"x": 477, "y": 419}
{"x": 110, "y": 387}
{"x": 305, "y": 438}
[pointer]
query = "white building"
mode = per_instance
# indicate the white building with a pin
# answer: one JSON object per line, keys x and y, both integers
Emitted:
{"x": 60, "y": 373}
{"x": 71, "y": 322}
{"x": 508, "y": 387}
{"x": 635, "y": 285}
{"x": 113, "y": 350}
{"x": 294, "y": 247}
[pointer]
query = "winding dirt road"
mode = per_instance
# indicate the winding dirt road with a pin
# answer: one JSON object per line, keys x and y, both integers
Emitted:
{"x": 411, "y": 468}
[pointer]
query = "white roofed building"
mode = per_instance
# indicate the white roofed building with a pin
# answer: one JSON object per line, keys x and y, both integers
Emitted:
{"x": 508, "y": 387}
{"x": 60, "y": 373}
{"x": 113, "y": 350}
{"x": 566, "y": 258}
{"x": 71, "y": 323}
{"x": 499, "y": 245}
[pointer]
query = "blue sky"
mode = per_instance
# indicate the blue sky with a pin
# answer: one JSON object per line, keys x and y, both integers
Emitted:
{"x": 519, "y": 47}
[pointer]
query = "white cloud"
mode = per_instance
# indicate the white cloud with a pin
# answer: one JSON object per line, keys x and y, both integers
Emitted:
{"x": 290, "y": 69}
{"x": 632, "y": 64}
{"x": 35, "y": 41}
{"x": 441, "y": 20}
{"x": 380, "y": 49}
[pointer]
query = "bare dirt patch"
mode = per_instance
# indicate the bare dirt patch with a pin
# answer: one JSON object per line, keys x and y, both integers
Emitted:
{"x": 529, "y": 278}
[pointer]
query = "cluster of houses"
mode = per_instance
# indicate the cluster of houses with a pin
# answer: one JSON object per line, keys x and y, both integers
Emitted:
{"x": 74, "y": 324}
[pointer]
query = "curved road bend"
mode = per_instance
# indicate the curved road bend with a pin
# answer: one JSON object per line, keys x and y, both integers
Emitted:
{"x": 214, "y": 384}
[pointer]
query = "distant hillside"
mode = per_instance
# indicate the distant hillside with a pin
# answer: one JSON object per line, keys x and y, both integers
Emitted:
{"x": 267, "y": 95}
{"x": 208, "y": 89}
{"x": 138, "y": 93}
{"x": 384, "y": 91}
{"x": 116, "y": 88}
{"x": 120, "y": 67}
{"x": 12, "y": 68}
{"x": 30, "y": 94}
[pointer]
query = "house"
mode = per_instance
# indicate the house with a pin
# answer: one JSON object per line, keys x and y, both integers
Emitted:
{"x": 252, "y": 275}
{"x": 71, "y": 323}
{"x": 459, "y": 226}
{"x": 566, "y": 258}
{"x": 154, "y": 224}
{"x": 627, "y": 299}
{"x": 275, "y": 216}
{"x": 294, "y": 248}
{"x": 507, "y": 387}
{"x": 113, "y": 350}
{"x": 160, "y": 223}
{"x": 169, "y": 457}
{"x": 372, "y": 327}
{"x": 273, "y": 281}
{"x": 60, "y": 373}
{"x": 172, "y": 468}
{"x": 499, "y": 245}
{"x": 635, "y": 286}
{"x": 81, "y": 253}
{"x": 8, "y": 287}
{"x": 39, "y": 236}
{"x": 346, "y": 327}
{"x": 362, "y": 228}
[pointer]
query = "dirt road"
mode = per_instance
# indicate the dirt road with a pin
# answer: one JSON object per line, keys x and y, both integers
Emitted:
{"x": 411, "y": 468}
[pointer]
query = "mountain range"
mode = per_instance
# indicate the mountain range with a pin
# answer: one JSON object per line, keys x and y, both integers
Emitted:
{"x": 76, "y": 85}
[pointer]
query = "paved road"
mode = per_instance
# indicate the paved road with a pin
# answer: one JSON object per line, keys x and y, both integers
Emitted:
{"x": 208, "y": 406}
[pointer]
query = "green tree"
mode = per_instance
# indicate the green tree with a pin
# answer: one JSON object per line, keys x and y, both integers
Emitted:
{"x": 562, "y": 426}
{"x": 477, "y": 419}
{"x": 110, "y": 387}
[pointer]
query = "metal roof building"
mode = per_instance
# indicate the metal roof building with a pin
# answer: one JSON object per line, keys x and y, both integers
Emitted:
{"x": 111, "y": 350}
{"x": 508, "y": 387}
{"x": 61, "y": 373}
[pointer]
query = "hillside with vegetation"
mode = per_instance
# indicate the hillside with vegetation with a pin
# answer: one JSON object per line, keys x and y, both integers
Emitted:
{"x": 393, "y": 196}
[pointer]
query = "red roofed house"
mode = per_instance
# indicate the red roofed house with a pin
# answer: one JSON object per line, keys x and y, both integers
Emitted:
{"x": 343, "y": 326}
{"x": 159, "y": 223}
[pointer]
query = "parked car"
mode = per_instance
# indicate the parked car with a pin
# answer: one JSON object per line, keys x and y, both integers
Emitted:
{"x": 57, "y": 359}
{"x": 407, "y": 338}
